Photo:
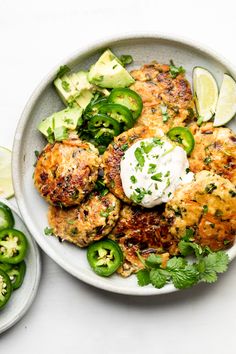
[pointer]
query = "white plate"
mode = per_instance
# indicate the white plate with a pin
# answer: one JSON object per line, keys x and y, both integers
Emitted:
{"x": 23, "y": 297}
{"x": 45, "y": 101}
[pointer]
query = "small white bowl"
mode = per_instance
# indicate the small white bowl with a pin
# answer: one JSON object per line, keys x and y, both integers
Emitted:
{"x": 44, "y": 101}
{"x": 22, "y": 298}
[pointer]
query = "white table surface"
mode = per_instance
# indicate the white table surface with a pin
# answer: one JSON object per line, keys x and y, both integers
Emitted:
{"x": 67, "y": 315}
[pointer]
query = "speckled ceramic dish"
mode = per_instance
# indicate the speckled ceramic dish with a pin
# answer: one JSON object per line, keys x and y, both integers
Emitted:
{"x": 45, "y": 101}
{"x": 23, "y": 297}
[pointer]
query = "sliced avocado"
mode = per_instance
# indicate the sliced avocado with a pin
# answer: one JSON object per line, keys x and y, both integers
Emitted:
{"x": 66, "y": 89}
{"x": 46, "y": 127}
{"x": 80, "y": 81}
{"x": 60, "y": 122}
{"x": 60, "y": 133}
{"x": 109, "y": 73}
{"x": 84, "y": 98}
{"x": 67, "y": 118}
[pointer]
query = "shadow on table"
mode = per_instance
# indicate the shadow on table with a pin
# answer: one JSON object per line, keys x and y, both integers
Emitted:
{"x": 191, "y": 295}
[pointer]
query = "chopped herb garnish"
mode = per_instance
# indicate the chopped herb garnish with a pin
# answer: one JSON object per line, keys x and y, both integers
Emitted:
{"x": 175, "y": 71}
{"x": 152, "y": 168}
{"x": 187, "y": 170}
{"x": 167, "y": 174}
{"x": 168, "y": 182}
{"x": 65, "y": 85}
{"x": 210, "y": 188}
{"x": 146, "y": 147}
{"x": 207, "y": 160}
{"x": 205, "y": 209}
{"x": 133, "y": 179}
{"x": 48, "y": 231}
{"x": 165, "y": 115}
{"x": 139, "y": 156}
{"x": 157, "y": 177}
{"x": 124, "y": 147}
{"x": 169, "y": 194}
{"x": 62, "y": 71}
{"x": 104, "y": 214}
{"x": 36, "y": 152}
{"x": 126, "y": 59}
{"x": 139, "y": 194}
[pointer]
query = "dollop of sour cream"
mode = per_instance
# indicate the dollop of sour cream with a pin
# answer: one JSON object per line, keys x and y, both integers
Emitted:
{"x": 152, "y": 169}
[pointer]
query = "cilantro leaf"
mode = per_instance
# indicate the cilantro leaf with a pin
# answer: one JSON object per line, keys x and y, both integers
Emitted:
{"x": 176, "y": 263}
{"x": 215, "y": 262}
{"x": 158, "y": 278}
{"x": 143, "y": 277}
{"x": 153, "y": 260}
{"x": 186, "y": 277}
{"x": 186, "y": 248}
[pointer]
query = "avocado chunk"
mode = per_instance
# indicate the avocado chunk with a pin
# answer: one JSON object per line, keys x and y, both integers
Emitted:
{"x": 46, "y": 127}
{"x": 75, "y": 89}
{"x": 84, "y": 98}
{"x": 60, "y": 122}
{"x": 80, "y": 81}
{"x": 67, "y": 118}
{"x": 109, "y": 73}
{"x": 65, "y": 89}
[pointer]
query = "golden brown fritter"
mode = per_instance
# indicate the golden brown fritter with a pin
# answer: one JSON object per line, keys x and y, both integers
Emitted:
{"x": 215, "y": 150}
{"x": 66, "y": 172}
{"x": 112, "y": 157}
{"x": 162, "y": 93}
{"x": 86, "y": 223}
{"x": 207, "y": 205}
{"x": 145, "y": 231}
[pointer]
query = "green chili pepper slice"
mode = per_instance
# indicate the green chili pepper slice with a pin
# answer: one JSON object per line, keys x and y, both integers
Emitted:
{"x": 6, "y": 217}
{"x": 13, "y": 246}
{"x": 93, "y": 108}
{"x": 127, "y": 98}
{"x": 17, "y": 274}
{"x": 118, "y": 112}
{"x": 5, "y": 288}
{"x": 182, "y": 136}
{"x": 5, "y": 267}
{"x": 102, "y": 121}
{"x": 105, "y": 257}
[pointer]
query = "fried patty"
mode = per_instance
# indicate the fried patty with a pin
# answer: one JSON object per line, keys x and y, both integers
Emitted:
{"x": 144, "y": 231}
{"x": 215, "y": 150}
{"x": 161, "y": 93}
{"x": 112, "y": 157}
{"x": 66, "y": 172}
{"x": 89, "y": 222}
{"x": 207, "y": 206}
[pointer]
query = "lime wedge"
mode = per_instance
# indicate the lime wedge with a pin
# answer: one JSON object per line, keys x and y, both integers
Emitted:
{"x": 205, "y": 92}
{"x": 6, "y": 188}
{"x": 226, "y": 106}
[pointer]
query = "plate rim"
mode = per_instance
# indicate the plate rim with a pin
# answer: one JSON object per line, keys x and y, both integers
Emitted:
{"x": 38, "y": 271}
{"x": 83, "y": 51}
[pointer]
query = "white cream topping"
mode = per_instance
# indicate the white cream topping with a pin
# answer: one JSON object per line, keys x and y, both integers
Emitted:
{"x": 152, "y": 169}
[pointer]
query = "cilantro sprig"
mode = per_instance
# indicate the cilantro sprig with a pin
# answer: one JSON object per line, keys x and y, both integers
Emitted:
{"x": 183, "y": 273}
{"x": 175, "y": 70}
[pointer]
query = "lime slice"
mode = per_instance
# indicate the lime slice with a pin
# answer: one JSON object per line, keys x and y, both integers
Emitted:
{"x": 205, "y": 92}
{"x": 226, "y": 106}
{"x": 6, "y": 188}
